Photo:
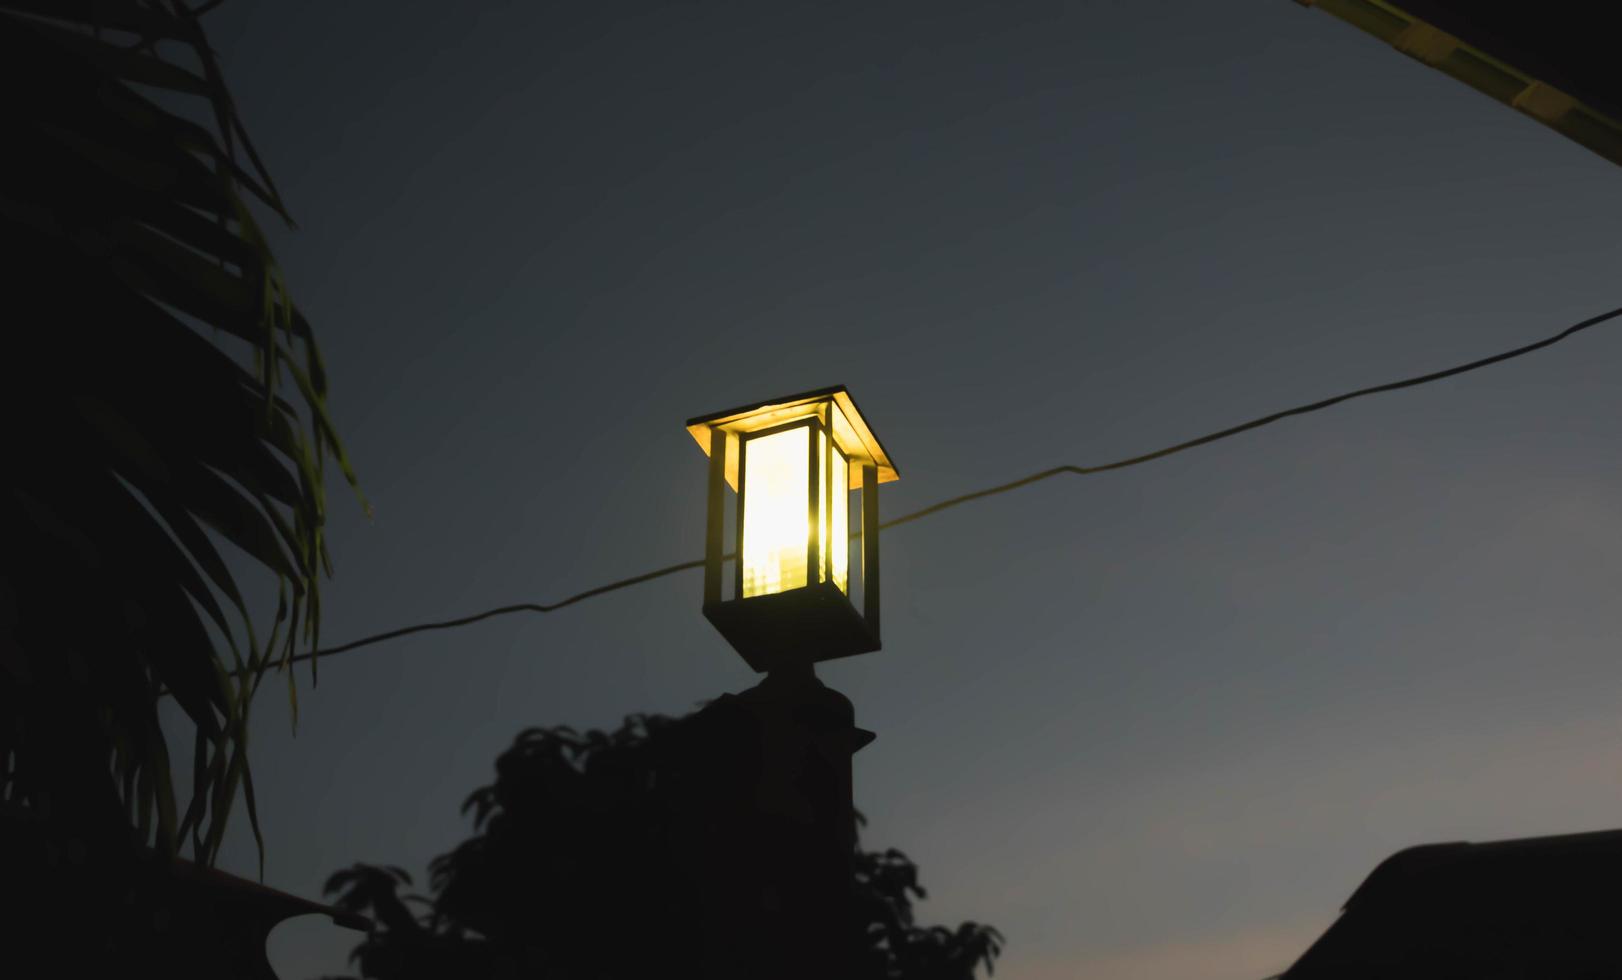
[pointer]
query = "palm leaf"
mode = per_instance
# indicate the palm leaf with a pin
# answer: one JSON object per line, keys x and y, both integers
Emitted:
{"x": 144, "y": 441}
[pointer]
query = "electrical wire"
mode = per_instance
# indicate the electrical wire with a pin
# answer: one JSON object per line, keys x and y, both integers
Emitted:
{"x": 1256, "y": 423}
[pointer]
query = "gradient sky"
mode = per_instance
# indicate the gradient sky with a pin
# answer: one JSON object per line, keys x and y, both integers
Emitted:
{"x": 1154, "y": 724}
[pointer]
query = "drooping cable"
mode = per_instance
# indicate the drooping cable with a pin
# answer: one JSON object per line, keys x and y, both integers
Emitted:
{"x": 1001, "y": 488}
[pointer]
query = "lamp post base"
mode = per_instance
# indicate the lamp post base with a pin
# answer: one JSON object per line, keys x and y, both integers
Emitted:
{"x": 775, "y": 836}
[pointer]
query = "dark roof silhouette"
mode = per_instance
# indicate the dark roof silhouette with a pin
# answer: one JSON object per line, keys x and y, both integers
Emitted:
{"x": 1553, "y": 60}
{"x": 1564, "y": 43}
{"x": 94, "y": 907}
{"x": 1539, "y": 908}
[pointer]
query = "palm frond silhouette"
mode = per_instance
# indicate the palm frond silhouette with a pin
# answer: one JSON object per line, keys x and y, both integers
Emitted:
{"x": 152, "y": 334}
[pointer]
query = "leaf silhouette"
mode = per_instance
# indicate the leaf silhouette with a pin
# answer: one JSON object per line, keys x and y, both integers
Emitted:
{"x": 572, "y": 871}
{"x": 154, "y": 336}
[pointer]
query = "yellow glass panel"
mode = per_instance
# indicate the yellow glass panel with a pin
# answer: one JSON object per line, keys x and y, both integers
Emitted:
{"x": 776, "y": 521}
{"x": 822, "y": 504}
{"x": 839, "y": 521}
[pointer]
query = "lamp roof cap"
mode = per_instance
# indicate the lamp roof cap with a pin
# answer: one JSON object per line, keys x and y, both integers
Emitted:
{"x": 866, "y": 447}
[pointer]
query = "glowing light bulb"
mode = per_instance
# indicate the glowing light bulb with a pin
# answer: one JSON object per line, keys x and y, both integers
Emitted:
{"x": 776, "y": 520}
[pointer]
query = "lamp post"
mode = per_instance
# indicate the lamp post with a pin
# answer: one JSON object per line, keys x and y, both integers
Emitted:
{"x": 793, "y": 489}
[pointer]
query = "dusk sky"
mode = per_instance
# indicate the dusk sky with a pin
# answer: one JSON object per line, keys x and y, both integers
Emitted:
{"x": 1153, "y": 724}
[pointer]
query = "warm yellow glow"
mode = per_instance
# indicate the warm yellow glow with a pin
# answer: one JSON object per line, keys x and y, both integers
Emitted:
{"x": 776, "y": 517}
{"x": 839, "y": 521}
{"x": 822, "y": 503}
{"x": 778, "y": 509}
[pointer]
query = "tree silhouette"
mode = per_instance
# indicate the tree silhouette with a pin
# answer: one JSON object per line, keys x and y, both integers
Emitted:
{"x": 575, "y": 870}
{"x": 149, "y": 333}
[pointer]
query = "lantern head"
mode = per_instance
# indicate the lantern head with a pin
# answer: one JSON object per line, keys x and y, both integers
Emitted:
{"x": 784, "y": 478}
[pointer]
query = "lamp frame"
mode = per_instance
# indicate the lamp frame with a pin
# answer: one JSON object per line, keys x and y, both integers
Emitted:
{"x": 814, "y": 622}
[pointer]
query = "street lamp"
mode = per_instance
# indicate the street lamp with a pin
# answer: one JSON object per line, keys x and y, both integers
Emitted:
{"x": 794, "y": 465}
